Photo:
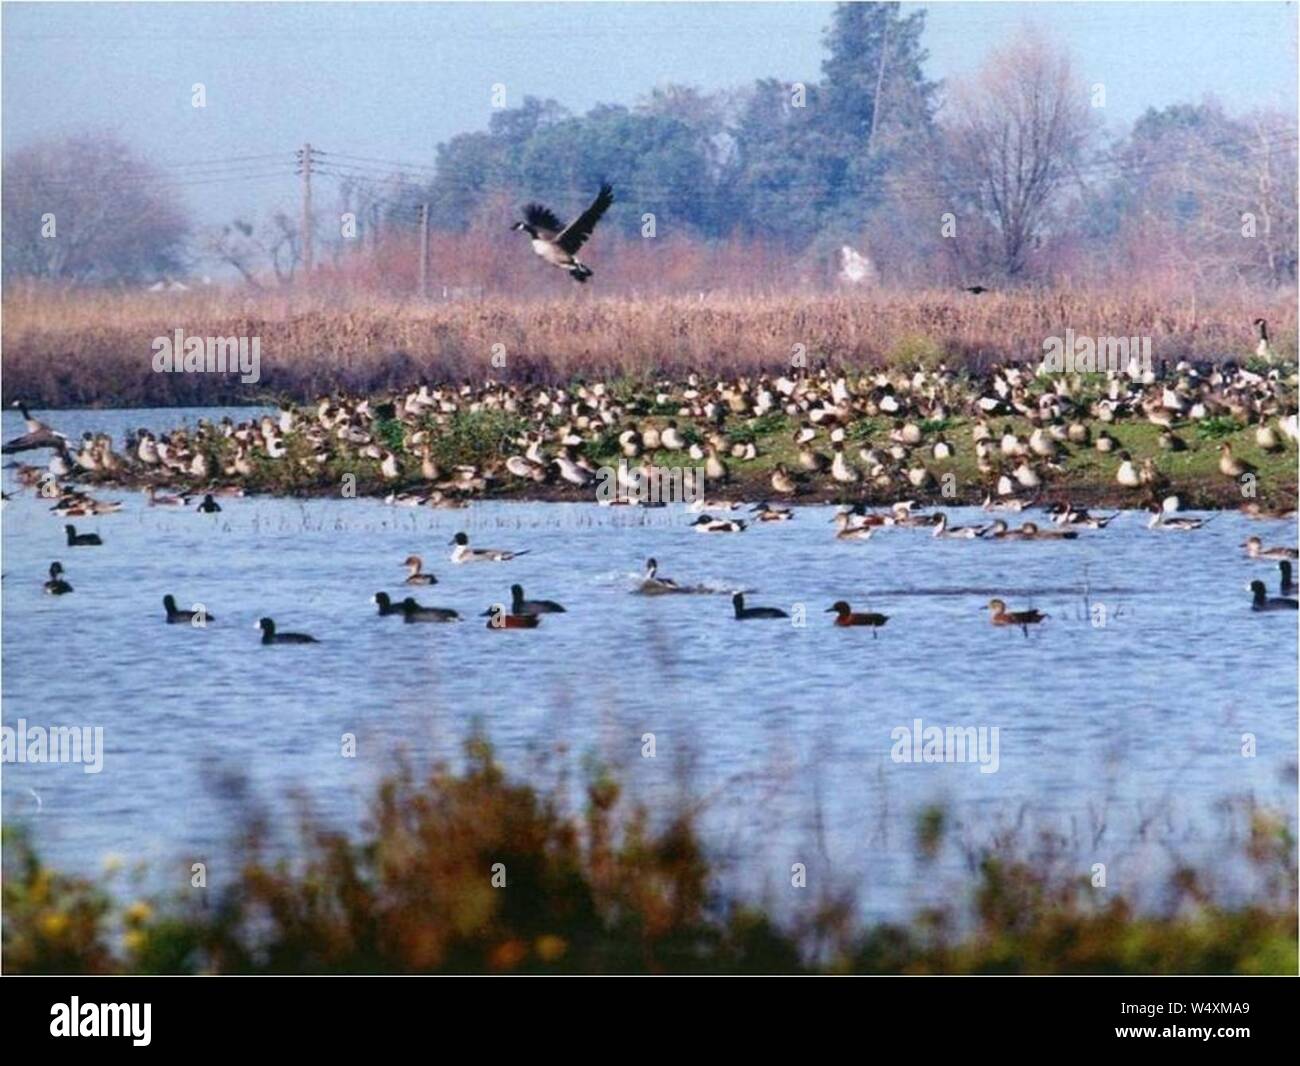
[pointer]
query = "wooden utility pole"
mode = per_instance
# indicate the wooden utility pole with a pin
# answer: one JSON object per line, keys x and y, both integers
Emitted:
{"x": 308, "y": 251}
{"x": 424, "y": 250}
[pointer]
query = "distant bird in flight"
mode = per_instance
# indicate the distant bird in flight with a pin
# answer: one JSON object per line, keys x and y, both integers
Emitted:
{"x": 557, "y": 243}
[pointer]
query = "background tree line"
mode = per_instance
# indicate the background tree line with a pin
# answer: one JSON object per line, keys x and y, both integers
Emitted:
{"x": 1004, "y": 178}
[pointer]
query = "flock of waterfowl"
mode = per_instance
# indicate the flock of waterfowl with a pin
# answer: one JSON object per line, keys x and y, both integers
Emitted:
{"x": 564, "y": 432}
{"x": 871, "y": 436}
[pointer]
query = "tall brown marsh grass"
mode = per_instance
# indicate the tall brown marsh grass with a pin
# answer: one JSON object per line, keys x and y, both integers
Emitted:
{"x": 79, "y": 347}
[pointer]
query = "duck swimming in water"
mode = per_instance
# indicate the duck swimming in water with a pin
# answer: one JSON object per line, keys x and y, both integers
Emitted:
{"x": 1255, "y": 550}
{"x": 845, "y": 616}
{"x": 385, "y": 604}
{"x": 415, "y": 572}
{"x": 197, "y": 617}
{"x": 499, "y": 618}
{"x": 414, "y": 612}
{"x": 463, "y": 553}
{"x": 80, "y": 540}
{"x": 56, "y": 586}
{"x": 519, "y": 605}
{"x": 708, "y": 524}
{"x": 1285, "y": 583}
{"x": 1262, "y": 601}
{"x": 1000, "y": 616}
{"x": 270, "y": 636}
{"x": 745, "y": 614}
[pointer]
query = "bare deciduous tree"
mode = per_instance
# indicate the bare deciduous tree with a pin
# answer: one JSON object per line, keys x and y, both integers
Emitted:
{"x": 88, "y": 209}
{"x": 1017, "y": 132}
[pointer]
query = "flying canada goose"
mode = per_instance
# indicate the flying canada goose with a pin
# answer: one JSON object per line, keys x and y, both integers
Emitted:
{"x": 558, "y": 244}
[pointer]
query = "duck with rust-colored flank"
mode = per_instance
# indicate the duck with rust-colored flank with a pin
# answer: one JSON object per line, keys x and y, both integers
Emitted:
{"x": 708, "y": 524}
{"x": 499, "y": 618}
{"x": 1000, "y": 616}
{"x": 846, "y": 616}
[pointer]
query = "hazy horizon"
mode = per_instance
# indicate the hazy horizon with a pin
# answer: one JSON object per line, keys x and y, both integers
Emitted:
{"x": 391, "y": 81}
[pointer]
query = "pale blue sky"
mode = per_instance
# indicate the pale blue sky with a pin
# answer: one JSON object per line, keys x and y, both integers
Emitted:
{"x": 391, "y": 80}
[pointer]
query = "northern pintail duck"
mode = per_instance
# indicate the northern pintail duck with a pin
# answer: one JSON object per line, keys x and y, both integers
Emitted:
{"x": 1255, "y": 550}
{"x": 156, "y": 500}
{"x": 947, "y": 532}
{"x": 845, "y": 616}
{"x": 849, "y": 526}
{"x": 746, "y": 614}
{"x": 558, "y": 244}
{"x": 56, "y": 586}
{"x": 270, "y": 636}
{"x": 519, "y": 605}
{"x": 1176, "y": 525}
{"x": 499, "y": 618}
{"x": 197, "y": 616}
{"x": 1000, "y": 616}
{"x": 708, "y": 524}
{"x": 463, "y": 553}
{"x": 414, "y": 612}
{"x": 415, "y": 574}
{"x": 80, "y": 540}
{"x": 654, "y": 585}
{"x": 1264, "y": 602}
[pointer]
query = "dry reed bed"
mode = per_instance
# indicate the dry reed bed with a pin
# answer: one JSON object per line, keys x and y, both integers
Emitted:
{"x": 94, "y": 348}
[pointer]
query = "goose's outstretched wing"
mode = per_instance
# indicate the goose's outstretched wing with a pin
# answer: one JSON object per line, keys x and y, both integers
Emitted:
{"x": 575, "y": 234}
{"x": 543, "y": 220}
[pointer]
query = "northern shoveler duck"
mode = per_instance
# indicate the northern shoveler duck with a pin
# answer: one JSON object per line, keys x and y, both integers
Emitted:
{"x": 197, "y": 616}
{"x": 414, "y": 612}
{"x": 558, "y": 244}
{"x": 947, "y": 532}
{"x": 746, "y": 614}
{"x": 270, "y": 636}
{"x": 1264, "y": 602}
{"x": 708, "y": 524}
{"x": 1065, "y": 515}
{"x": 1000, "y": 616}
{"x": 499, "y": 618}
{"x": 767, "y": 513}
{"x": 1255, "y": 550}
{"x": 463, "y": 553}
{"x": 519, "y": 605}
{"x": 80, "y": 540}
{"x": 56, "y": 586}
{"x": 415, "y": 572}
{"x": 845, "y": 616}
